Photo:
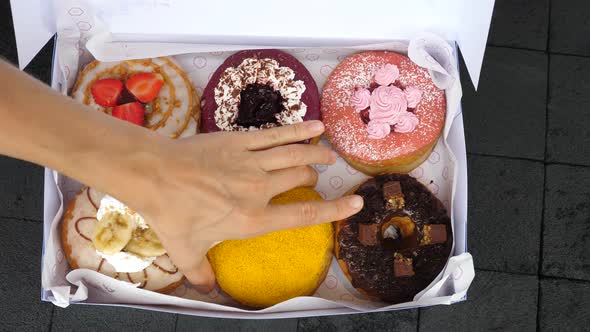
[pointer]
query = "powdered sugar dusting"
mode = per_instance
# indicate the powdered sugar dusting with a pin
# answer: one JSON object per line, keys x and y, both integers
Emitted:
{"x": 344, "y": 126}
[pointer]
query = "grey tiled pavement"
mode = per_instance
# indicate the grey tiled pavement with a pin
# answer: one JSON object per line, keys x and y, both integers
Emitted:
{"x": 528, "y": 138}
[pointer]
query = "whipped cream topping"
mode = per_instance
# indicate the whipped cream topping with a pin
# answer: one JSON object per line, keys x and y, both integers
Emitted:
{"x": 406, "y": 122}
{"x": 123, "y": 261}
{"x": 387, "y": 74}
{"x": 387, "y": 103}
{"x": 262, "y": 71}
{"x": 361, "y": 99}
{"x": 413, "y": 96}
{"x": 377, "y": 129}
{"x": 109, "y": 204}
{"x": 127, "y": 262}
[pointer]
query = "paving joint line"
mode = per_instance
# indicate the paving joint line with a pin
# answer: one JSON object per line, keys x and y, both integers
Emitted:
{"x": 504, "y": 157}
{"x": 543, "y": 199}
{"x": 418, "y": 319}
{"x": 569, "y": 54}
{"x": 51, "y": 318}
{"x": 517, "y": 48}
{"x": 508, "y": 272}
{"x": 22, "y": 219}
{"x": 564, "y": 278}
{"x": 548, "y": 163}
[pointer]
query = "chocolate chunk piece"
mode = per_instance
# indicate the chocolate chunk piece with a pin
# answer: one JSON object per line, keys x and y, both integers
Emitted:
{"x": 369, "y": 234}
{"x": 393, "y": 195}
{"x": 402, "y": 266}
{"x": 434, "y": 234}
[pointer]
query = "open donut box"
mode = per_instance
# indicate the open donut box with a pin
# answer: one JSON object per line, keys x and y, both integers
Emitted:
{"x": 127, "y": 30}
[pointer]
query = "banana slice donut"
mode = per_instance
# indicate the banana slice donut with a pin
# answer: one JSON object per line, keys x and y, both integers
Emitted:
{"x": 100, "y": 233}
{"x": 153, "y": 93}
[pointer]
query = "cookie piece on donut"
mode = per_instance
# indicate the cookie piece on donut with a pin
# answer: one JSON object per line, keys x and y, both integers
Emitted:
{"x": 77, "y": 231}
{"x": 392, "y": 252}
{"x": 258, "y": 89}
{"x": 170, "y": 103}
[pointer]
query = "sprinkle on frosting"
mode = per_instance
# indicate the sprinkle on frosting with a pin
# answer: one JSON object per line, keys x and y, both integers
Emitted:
{"x": 261, "y": 71}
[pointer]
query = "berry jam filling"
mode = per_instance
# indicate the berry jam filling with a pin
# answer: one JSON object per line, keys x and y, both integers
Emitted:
{"x": 258, "y": 105}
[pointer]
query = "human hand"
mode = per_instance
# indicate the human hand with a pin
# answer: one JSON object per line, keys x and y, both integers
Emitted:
{"x": 194, "y": 192}
{"x": 214, "y": 187}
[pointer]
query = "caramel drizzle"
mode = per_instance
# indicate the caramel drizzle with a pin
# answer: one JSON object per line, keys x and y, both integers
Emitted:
{"x": 166, "y": 270}
{"x": 145, "y": 279}
{"x": 100, "y": 265}
{"x": 90, "y": 199}
{"x": 78, "y": 229}
{"x": 116, "y": 276}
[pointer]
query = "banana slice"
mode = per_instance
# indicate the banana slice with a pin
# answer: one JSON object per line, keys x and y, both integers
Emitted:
{"x": 112, "y": 233}
{"x": 145, "y": 242}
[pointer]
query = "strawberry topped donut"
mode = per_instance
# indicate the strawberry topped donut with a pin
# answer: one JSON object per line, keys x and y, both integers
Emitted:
{"x": 382, "y": 112}
{"x": 258, "y": 89}
{"x": 154, "y": 93}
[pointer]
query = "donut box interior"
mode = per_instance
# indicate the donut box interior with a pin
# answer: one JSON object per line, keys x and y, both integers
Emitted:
{"x": 430, "y": 32}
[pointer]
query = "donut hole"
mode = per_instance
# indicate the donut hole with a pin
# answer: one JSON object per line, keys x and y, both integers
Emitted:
{"x": 399, "y": 232}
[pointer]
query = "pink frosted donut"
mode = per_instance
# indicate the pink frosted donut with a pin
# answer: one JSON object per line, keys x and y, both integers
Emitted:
{"x": 346, "y": 125}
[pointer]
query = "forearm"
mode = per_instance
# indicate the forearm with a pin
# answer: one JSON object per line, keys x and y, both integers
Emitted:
{"x": 40, "y": 125}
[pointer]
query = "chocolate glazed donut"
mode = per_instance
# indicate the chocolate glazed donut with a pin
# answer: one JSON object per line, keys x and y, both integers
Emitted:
{"x": 398, "y": 243}
{"x": 259, "y": 102}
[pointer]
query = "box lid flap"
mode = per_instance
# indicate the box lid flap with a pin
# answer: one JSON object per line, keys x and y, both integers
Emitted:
{"x": 34, "y": 25}
{"x": 272, "y": 23}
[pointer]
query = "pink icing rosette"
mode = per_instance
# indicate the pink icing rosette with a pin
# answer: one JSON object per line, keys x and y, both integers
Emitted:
{"x": 377, "y": 129}
{"x": 387, "y": 74}
{"x": 413, "y": 96}
{"x": 361, "y": 99}
{"x": 387, "y": 103}
{"x": 406, "y": 122}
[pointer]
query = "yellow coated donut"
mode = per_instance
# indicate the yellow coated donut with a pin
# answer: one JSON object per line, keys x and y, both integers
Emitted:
{"x": 275, "y": 267}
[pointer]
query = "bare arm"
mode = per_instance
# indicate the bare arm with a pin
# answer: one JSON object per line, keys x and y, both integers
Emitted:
{"x": 193, "y": 191}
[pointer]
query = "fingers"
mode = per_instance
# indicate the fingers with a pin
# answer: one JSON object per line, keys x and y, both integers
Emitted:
{"x": 268, "y": 138}
{"x": 289, "y": 178}
{"x": 293, "y": 215}
{"x": 295, "y": 155}
{"x": 201, "y": 275}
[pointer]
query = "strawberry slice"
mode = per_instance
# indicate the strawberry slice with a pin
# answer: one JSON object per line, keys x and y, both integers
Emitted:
{"x": 106, "y": 91}
{"x": 130, "y": 112}
{"x": 144, "y": 86}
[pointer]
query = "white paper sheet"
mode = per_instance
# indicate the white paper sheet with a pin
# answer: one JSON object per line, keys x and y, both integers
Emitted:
{"x": 438, "y": 173}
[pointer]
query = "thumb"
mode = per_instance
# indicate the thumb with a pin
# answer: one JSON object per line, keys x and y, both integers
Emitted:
{"x": 201, "y": 275}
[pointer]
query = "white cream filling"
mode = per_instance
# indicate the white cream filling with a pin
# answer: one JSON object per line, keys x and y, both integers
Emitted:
{"x": 127, "y": 262}
{"x": 123, "y": 261}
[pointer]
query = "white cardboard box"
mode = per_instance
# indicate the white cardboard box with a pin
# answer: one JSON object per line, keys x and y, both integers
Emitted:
{"x": 310, "y": 24}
